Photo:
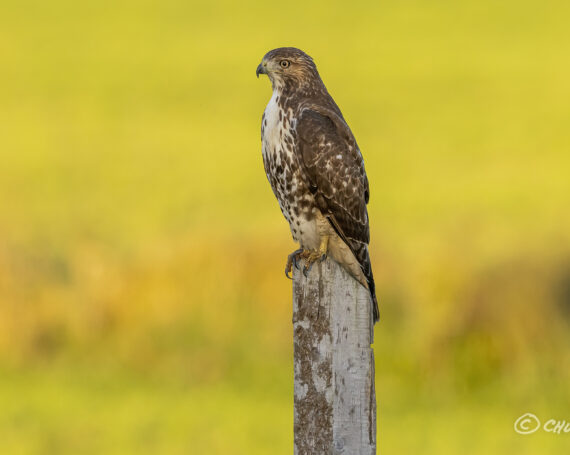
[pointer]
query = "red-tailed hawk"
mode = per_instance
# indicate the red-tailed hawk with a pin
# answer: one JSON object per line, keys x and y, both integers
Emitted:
{"x": 315, "y": 168}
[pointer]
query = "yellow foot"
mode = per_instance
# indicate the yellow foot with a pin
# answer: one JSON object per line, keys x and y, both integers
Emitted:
{"x": 320, "y": 254}
{"x": 293, "y": 260}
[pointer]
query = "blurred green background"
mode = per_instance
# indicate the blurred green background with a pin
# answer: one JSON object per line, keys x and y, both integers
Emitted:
{"x": 143, "y": 307}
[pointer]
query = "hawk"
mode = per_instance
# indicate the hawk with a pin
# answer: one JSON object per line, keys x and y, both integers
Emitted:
{"x": 315, "y": 168}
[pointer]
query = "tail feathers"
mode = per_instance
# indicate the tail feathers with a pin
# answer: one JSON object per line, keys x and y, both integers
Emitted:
{"x": 372, "y": 287}
{"x": 363, "y": 258}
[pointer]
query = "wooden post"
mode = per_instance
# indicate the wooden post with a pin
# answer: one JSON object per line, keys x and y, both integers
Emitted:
{"x": 335, "y": 402}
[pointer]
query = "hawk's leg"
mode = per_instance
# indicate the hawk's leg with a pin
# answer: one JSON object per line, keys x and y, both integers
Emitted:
{"x": 320, "y": 254}
{"x": 293, "y": 260}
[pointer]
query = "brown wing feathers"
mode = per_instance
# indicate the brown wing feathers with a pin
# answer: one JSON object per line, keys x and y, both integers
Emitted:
{"x": 335, "y": 170}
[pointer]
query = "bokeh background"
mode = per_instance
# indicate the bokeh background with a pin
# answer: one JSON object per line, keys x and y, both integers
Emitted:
{"x": 143, "y": 307}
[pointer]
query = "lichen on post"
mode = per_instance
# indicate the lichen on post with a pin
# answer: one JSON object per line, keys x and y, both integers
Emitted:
{"x": 335, "y": 402}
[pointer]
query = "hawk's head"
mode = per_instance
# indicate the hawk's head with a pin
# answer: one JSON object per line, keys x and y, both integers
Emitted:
{"x": 288, "y": 66}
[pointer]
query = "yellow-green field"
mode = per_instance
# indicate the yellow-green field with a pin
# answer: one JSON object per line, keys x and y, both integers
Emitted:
{"x": 143, "y": 307}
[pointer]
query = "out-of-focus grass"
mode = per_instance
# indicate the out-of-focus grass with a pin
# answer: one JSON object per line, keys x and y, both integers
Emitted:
{"x": 117, "y": 412}
{"x": 142, "y": 303}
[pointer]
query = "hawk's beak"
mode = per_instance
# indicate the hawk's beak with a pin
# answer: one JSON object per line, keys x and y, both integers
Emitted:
{"x": 260, "y": 70}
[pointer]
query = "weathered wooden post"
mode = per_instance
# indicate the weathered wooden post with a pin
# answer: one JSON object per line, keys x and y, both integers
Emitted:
{"x": 335, "y": 402}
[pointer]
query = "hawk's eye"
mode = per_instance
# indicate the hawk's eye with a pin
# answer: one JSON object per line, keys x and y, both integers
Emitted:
{"x": 284, "y": 63}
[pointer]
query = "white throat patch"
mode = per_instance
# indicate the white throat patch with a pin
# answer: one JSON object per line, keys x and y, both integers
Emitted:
{"x": 271, "y": 129}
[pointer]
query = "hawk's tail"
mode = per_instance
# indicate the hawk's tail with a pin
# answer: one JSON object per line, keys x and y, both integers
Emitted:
{"x": 360, "y": 252}
{"x": 363, "y": 258}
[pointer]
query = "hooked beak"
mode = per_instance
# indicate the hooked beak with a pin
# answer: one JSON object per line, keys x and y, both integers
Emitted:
{"x": 260, "y": 70}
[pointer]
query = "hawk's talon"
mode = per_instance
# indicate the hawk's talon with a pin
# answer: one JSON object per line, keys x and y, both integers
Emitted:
{"x": 312, "y": 257}
{"x": 307, "y": 269}
{"x": 293, "y": 260}
{"x": 296, "y": 262}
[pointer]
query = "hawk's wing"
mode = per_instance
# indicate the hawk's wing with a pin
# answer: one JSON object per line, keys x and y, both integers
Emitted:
{"x": 335, "y": 171}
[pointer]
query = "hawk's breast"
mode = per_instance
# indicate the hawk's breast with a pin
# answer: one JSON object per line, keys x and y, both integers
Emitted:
{"x": 283, "y": 172}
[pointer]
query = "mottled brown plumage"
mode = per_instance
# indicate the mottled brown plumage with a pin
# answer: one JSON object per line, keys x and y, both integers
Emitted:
{"x": 314, "y": 165}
